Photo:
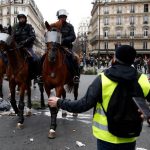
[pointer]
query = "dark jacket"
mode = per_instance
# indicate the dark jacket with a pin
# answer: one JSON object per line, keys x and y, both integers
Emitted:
{"x": 117, "y": 73}
{"x": 68, "y": 35}
{"x": 24, "y": 33}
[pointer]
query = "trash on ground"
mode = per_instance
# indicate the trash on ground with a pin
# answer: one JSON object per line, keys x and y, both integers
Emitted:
{"x": 4, "y": 105}
{"x": 31, "y": 139}
{"x": 80, "y": 144}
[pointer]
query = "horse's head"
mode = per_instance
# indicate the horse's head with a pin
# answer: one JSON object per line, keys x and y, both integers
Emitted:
{"x": 4, "y": 41}
{"x": 53, "y": 40}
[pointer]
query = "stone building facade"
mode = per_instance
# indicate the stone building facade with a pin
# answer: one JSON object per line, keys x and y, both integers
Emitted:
{"x": 8, "y": 16}
{"x": 117, "y": 22}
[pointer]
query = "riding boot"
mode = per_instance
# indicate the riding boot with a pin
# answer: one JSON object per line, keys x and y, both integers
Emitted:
{"x": 32, "y": 68}
{"x": 76, "y": 69}
{"x": 76, "y": 78}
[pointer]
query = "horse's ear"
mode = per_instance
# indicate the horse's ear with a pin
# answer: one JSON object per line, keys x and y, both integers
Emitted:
{"x": 48, "y": 27}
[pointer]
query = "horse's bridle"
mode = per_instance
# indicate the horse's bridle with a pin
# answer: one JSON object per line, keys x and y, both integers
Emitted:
{"x": 52, "y": 52}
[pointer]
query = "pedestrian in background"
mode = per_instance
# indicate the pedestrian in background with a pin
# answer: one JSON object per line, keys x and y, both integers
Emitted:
{"x": 99, "y": 94}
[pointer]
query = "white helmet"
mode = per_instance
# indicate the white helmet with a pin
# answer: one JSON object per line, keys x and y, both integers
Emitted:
{"x": 62, "y": 12}
{"x": 22, "y": 14}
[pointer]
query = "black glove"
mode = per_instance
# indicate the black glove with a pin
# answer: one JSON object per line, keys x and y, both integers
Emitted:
{"x": 23, "y": 43}
{"x": 65, "y": 41}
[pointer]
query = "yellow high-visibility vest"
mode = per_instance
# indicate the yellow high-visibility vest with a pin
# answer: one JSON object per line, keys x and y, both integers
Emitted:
{"x": 100, "y": 125}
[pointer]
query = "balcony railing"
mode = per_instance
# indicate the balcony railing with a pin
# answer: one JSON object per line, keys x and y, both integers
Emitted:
{"x": 115, "y": 37}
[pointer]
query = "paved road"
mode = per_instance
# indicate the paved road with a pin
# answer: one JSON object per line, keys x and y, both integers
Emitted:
{"x": 70, "y": 129}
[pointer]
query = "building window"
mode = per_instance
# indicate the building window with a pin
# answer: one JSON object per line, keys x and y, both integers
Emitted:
{"x": 23, "y": 9}
{"x": 132, "y": 19}
{"x": 15, "y": 20}
{"x": 119, "y": 9}
{"x": 119, "y": 22}
{"x": 145, "y": 7}
{"x": 146, "y": 32}
{"x": 132, "y": 32}
{"x": 106, "y": 34}
{"x": 132, "y": 44}
{"x": 15, "y": 10}
{"x": 118, "y": 34}
{"x": 1, "y": 11}
{"x": 144, "y": 45}
{"x": 106, "y": 21}
{"x": 106, "y": 10}
{"x": 132, "y": 8}
{"x": 8, "y": 20}
{"x": 145, "y": 19}
{"x": 105, "y": 45}
{"x": 8, "y": 10}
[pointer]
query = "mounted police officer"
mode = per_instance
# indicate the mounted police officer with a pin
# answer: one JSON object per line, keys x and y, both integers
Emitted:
{"x": 24, "y": 35}
{"x": 68, "y": 36}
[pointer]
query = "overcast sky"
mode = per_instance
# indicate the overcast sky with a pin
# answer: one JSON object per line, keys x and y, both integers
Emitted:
{"x": 77, "y": 10}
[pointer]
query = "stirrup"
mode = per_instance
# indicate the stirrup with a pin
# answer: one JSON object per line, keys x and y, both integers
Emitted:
{"x": 76, "y": 79}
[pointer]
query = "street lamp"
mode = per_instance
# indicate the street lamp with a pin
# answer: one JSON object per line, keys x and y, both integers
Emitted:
{"x": 83, "y": 39}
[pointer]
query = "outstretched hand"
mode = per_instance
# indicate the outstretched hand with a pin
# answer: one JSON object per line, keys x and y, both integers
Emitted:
{"x": 52, "y": 101}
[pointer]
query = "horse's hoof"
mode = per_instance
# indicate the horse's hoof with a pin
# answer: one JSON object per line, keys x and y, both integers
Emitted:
{"x": 51, "y": 134}
{"x": 20, "y": 126}
{"x": 64, "y": 114}
{"x": 148, "y": 121}
{"x": 75, "y": 114}
{"x": 29, "y": 113}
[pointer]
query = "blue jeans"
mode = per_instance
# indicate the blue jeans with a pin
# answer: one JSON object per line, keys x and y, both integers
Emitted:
{"x": 102, "y": 145}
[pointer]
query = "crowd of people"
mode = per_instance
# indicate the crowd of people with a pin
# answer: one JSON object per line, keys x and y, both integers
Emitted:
{"x": 142, "y": 64}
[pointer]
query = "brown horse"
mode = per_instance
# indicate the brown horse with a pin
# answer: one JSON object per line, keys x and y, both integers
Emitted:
{"x": 56, "y": 73}
{"x": 3, "y": 37}
{"x": 18, "y": 74}
{"x": 2, "y": 72}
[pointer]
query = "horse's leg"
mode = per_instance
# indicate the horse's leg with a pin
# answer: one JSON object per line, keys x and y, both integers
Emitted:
{"x": 1, "y": 87}
{"x": 41, "y": 88}
{"x": 54, "y": 111}
{"x": 12, "y": 86}
{"x": 76, "y": 86}
{"x": 64, "y": 113}
{"x": 21, "y": 107}
{"x": 29, "y": 104}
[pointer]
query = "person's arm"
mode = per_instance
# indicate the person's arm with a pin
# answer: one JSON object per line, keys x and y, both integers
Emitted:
{"x": 31, "y": 37}
{"x": 92, "y": 96}
{"x": 71, "y": 36}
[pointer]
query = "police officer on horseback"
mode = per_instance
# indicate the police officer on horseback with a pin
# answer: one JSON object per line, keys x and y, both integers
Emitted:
{"x": 24, "y": 35}
{"x": 68, "y": 36}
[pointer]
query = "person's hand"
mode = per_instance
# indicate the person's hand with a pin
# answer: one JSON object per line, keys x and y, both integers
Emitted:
{"x": 52, "y": 101}
{"x": 141, "y": 114}
{"x": 23, "y": 42}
